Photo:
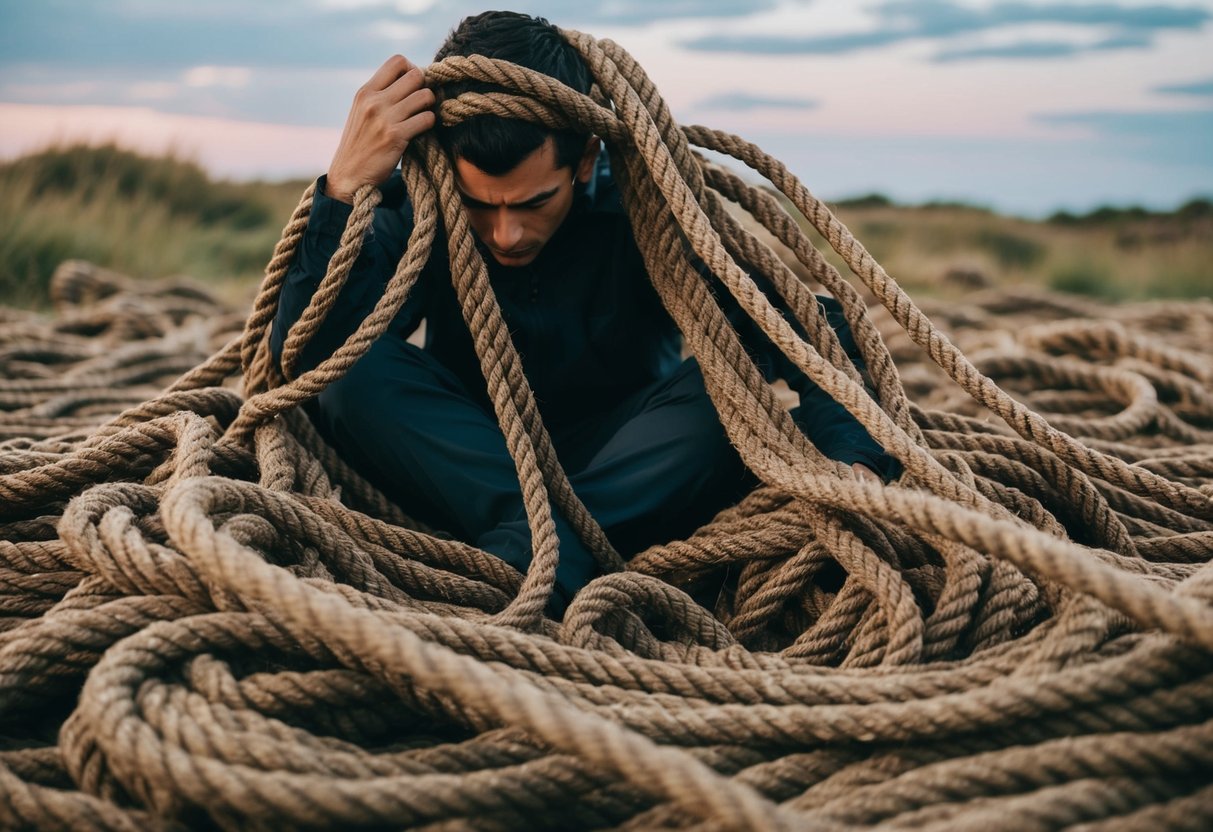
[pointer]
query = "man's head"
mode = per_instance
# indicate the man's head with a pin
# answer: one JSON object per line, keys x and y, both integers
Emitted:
{"x": 516, "y": 177}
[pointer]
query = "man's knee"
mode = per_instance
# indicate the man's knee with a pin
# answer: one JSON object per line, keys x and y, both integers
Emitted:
{"x": 698, "y": 441}
{"x": 350, "y": 392}
{"x": 390, "y": 370}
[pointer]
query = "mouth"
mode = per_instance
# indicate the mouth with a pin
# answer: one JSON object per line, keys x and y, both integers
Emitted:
{"x": 515, "y": 254}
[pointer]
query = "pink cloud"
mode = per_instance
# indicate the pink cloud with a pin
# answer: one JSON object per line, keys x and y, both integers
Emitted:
{"x": 227, "y": 148}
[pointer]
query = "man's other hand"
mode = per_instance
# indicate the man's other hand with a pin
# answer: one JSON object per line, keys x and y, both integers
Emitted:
{"x": 865, "y": 474}
{"x": 389, "y": 111}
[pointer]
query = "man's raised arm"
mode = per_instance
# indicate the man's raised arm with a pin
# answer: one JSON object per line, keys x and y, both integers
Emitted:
{"x": 388, "y": 112}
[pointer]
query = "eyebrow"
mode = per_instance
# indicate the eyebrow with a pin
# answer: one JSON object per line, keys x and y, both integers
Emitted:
{"x": 527, "y": 203}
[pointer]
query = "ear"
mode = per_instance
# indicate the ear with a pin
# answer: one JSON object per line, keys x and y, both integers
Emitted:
{"x": 585, "y": 167}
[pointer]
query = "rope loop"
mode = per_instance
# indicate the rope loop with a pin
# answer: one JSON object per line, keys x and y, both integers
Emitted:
{"x": 209, "y": 619}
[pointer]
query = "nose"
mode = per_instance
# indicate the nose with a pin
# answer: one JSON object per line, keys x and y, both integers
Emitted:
{"x": 507, "y": 231}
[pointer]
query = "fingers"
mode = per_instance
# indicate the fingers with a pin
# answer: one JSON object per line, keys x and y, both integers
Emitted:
{"x": 404, "y": 86}
{"x": 388, "y": 112}
{"x": 393, "y": 68}
{"x": 865, "y": 474}
{"x": 402, "y": 108}
{"x": 407, "y": 104}
{"x": 411, "y": 128}
{"x": 419, "y": 102}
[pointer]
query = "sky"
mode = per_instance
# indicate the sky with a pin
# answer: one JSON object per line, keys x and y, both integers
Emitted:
{"x": 1024, "y": 106}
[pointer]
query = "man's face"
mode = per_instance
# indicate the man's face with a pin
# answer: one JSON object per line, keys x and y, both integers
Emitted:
{"x": 515, "y": 214}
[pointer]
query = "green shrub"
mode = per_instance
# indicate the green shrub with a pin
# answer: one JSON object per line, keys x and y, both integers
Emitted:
{"x": 108, "y": 173}
{"x": 1011, "y": 250}
{"x": 1082, "y": 277}
{"x": 864, "y": 201}
{"x": 145, "y": 216}
{"x": 1195, "y": 209}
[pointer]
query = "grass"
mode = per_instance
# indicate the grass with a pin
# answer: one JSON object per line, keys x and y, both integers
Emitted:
{"x": 1114, "y": 254}
{"x": 147, "y": 217}
{"x": 162, "y": 216}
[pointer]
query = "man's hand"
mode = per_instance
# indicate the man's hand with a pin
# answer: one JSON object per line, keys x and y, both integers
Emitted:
{"x": 865, "y": 474}
{"x": 388, "y": 112}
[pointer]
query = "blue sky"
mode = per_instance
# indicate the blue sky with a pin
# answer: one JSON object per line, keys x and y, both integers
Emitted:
{"x": 1027, "y": 106}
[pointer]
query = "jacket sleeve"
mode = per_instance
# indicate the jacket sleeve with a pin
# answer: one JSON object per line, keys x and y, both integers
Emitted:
{"x": 381, "y": 252}
{"x": 826, "y": 423}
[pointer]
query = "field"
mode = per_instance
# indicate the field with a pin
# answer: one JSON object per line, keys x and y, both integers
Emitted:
{"x": 210, "y": 619}
{"x": 159, "y": 217}
{"x": 146, "y": 217}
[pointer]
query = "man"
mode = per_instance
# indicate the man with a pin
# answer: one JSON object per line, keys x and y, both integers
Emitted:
{"x": 632, "y": 424}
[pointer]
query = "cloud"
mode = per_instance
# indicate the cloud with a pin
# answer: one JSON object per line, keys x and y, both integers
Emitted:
{"x": 1023, "y": 49}
{"x": 290, "y": 95}
{"x": 395, "y": 31}
{"x": 744, "y": 102}
{"x": 147, "y": 36}
{"x": 239, "y": 149}
{"x": 217, "y": 76}
{"x": 623, "y": 12}
{"x": 644, "y": 11}
{"x": 291, "y": 61}
{"x": 1192, "y": 88}
{"x": 942, "y": 20}
{"x": 1125, "y": 40}
{"x": 150, "y": 91}
{"x": 1036, "y": 49}
{"x": 335, "y": 33}
{"x": 941, "y": 17}
{"x": 788, "y": 45}
{"x": 1172, "y": 135}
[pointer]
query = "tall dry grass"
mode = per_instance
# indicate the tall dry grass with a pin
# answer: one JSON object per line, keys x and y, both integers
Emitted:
{"x": 154, "y": 217}
{"x": 1114, "y": 254}
{"x": 149, "y": 217}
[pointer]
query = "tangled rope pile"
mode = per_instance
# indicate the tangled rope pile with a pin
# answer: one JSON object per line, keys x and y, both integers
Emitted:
{"x": 210, "y": 621}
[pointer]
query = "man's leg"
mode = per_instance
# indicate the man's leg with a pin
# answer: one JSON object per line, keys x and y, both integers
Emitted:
{"x": 665, "y": 468}
{"x": 410, "y": 426}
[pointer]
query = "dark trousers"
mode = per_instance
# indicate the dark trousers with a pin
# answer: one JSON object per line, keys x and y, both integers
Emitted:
{"x": 652, "y": 468}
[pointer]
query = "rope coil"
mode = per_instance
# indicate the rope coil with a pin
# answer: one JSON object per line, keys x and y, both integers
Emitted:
{"x": 209, "y": 619}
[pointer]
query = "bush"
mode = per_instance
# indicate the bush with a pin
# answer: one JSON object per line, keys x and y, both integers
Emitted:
{"x": 1011, "y": 250}
{"x": 1085, "y": 278}
{"x": 865, "y": 201}
{"x": 108, "y": 173}
{"x": 1195, "y": 209}
{"x": 145, "y": 216}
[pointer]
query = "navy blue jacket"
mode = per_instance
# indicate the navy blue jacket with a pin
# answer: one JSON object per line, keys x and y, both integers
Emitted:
{"x": 583, "y": 315}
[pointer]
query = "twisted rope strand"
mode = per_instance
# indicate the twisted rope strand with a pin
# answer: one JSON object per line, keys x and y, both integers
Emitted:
{"x": 208, "y": 619}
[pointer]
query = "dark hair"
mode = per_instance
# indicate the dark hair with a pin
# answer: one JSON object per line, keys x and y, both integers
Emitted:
{"x": 496, "y": 145}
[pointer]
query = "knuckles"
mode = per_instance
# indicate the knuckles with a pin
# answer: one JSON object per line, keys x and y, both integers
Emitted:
{"x": 397, "y": 62}
{"x": 420, "y": 101}
{"x": 373, "y": 130}
{"x": 414, "y": 80}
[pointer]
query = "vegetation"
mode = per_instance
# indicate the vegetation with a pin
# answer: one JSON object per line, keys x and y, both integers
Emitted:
{"x": 154, "y": 217}
{"x": 148, "y": 217}
{"x": 1111, "y": 253}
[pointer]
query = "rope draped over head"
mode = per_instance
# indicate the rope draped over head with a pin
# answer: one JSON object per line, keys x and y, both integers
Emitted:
{"x": 1038, "y": 606}
{"x": 676, "y": 203}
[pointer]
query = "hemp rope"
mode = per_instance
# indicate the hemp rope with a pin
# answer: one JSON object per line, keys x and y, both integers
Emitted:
{"x": 207, "y": 619}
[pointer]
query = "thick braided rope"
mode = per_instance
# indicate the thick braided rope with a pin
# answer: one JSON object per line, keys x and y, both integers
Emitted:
{"x": 208, "y": 619}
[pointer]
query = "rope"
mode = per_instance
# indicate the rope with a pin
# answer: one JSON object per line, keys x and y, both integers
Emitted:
{"x": 208, "y": 619}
